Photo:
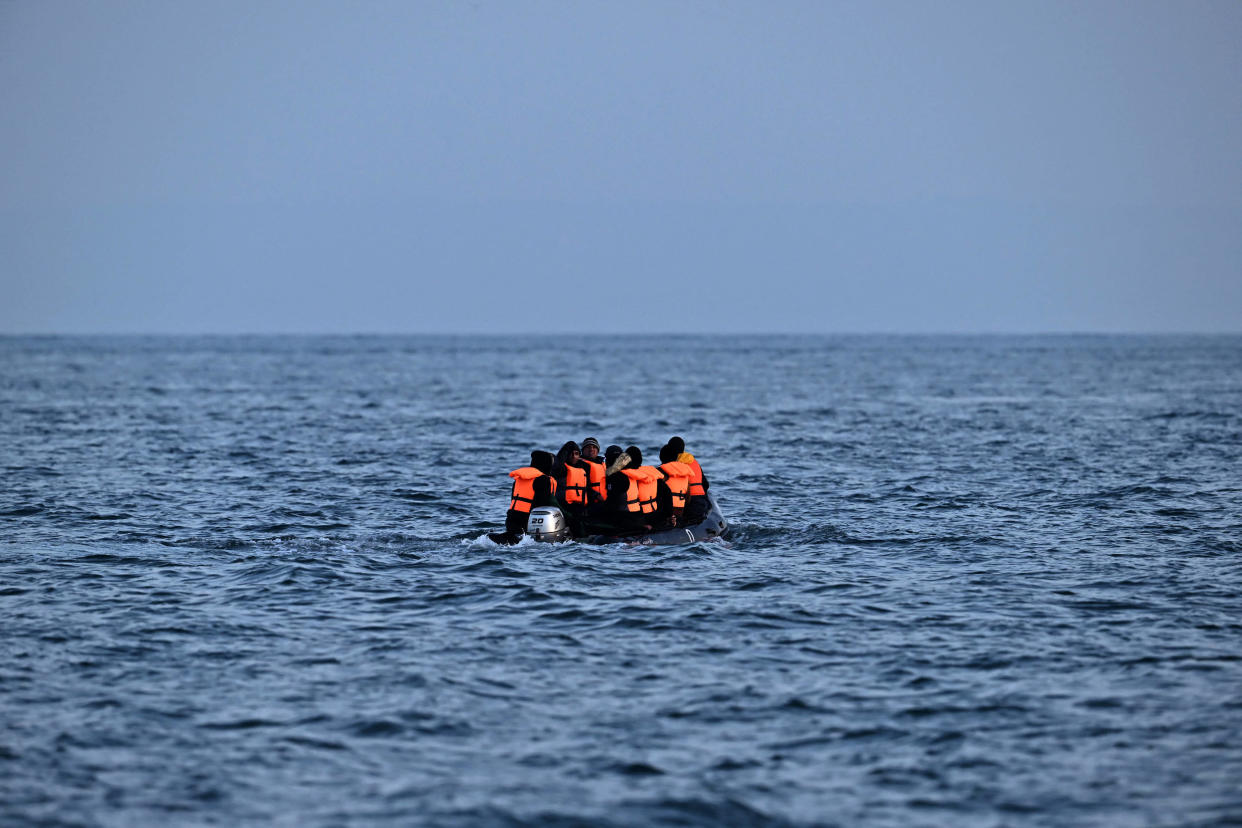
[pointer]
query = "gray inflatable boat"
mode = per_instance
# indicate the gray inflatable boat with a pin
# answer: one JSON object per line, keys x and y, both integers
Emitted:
{"x": 547, "y": 523}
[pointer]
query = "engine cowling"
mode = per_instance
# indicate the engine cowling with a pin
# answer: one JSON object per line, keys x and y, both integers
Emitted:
{"x": 546, "y": 523}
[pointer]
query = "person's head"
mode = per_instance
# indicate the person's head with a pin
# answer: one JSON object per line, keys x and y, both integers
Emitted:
{"x": 636, "y": 456}
{"x": 590, "y": 448}
{"x": 541, "y": 460}
{"x": 568, "y": 453}
{"x": 677, "y": 443}
{"x": 611, "y": 453}
{"x": 668, "y": 454}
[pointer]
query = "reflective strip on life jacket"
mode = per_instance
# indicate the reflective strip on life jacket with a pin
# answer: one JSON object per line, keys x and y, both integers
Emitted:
{"x": 575, "y": 484}
{"x": 641, "y": 495}
{"x": 523, "y": 497}
{"x": 677, "y": 476}
{"x": 696, "y": 474}
{"x": 598, "y": 472}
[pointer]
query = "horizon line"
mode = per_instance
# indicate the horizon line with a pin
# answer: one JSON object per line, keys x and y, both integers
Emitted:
{"x": 618, "y": 334}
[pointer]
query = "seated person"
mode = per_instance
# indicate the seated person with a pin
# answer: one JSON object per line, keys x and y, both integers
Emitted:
{"x": 572, "y": 481}
{"x": 533, "y": 486}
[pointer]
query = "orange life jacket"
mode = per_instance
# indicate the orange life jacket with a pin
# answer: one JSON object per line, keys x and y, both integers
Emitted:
{"x": 524, "y": 488}
{"x": 677, "y": 476}
{"x": 597, "y": 472}
{"x": 575, "y": 484}
{"x": 641, "y": 495}
{"x": 696, "y": 474}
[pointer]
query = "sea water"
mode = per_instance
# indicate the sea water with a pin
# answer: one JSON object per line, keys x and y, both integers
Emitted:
{"x": 970, "y": 581}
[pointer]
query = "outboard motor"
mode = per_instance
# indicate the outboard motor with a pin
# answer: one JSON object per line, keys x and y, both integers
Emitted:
{"x": 546, "y": 523}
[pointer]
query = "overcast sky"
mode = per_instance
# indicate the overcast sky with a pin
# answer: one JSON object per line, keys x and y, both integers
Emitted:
{"x": 679, "y": 166}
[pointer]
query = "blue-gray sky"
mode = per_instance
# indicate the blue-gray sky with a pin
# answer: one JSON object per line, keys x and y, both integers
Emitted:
{"x": 699, "y": 165}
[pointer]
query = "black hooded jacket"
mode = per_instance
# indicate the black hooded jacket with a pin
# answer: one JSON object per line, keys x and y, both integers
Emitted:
{"x": 542, "y": 460}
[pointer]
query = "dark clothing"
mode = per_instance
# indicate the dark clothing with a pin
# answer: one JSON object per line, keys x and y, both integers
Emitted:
{"x": 596, "y": 516}
{"x": 541, "y": 460}
{"x": 617, "y": 510}
{"x": 574, "y": 513}
{"x": 696, "y": 509}
{"x": 611, "y": 517}
{"x": 543, "y": 492}
{"x": 617, "y": 485}
{"x": 664, "y": 515}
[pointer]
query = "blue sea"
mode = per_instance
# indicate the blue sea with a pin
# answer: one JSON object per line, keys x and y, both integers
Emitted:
{"x": 970, "y": 581}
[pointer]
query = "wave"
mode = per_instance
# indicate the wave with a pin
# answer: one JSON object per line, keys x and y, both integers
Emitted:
{"x": 664, "y": 811}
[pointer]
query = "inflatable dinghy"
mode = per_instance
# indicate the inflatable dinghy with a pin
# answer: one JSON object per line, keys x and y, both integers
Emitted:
{"x": 547, "y": 524}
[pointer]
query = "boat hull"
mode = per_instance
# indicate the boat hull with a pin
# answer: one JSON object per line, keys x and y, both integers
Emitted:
{"x": 712, "y": 526}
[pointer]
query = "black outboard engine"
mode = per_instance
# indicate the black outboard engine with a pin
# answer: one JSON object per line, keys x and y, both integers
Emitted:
{"x": 546, "y": 523}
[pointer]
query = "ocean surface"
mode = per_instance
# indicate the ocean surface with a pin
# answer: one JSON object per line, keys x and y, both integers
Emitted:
{"x": 971, "y": 581}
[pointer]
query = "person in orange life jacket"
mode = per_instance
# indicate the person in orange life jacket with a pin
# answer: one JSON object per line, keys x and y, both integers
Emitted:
{"x": 662, "y": 508}
{"x": 570, "y": 484}
{"x": 597, "y": 471}
{"x": 609, "y": 516}
{"x": 571, "y": 478}
{"x": 697, "y": 507}
{"x": 642, "y": 493}
{"x": 612, "y": 515}
{"x": 674, "y": 488}
{"x": 601, "y": 511}
{"x": 533, "y": 486}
